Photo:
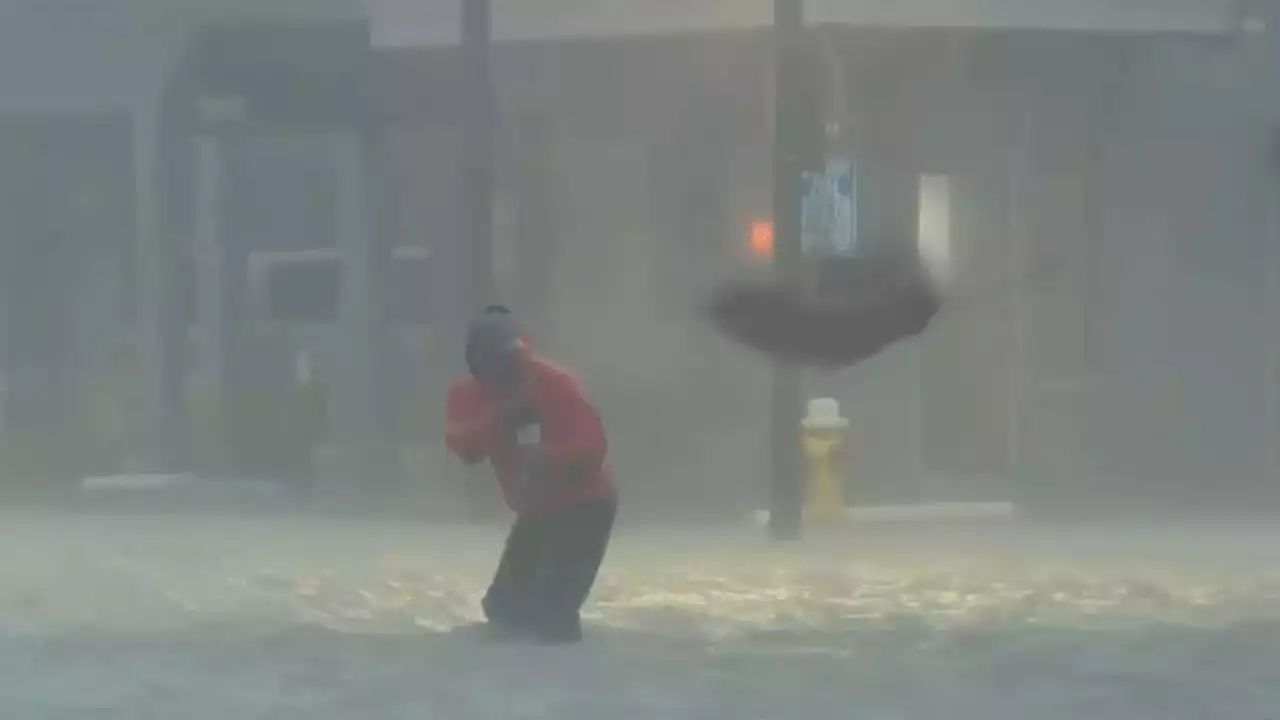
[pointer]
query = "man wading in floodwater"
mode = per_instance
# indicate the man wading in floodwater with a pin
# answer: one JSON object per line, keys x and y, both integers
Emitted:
{"x": 531, "y": 419}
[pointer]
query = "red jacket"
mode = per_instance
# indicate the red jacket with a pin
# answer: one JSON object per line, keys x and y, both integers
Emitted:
{"x": 573, "y": 440}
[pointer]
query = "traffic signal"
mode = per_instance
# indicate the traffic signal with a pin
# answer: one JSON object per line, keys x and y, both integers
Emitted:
{"x": 760, "y": 240}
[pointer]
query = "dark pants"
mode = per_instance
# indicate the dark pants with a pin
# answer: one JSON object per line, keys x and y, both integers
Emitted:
{"x": 547, "y": 569}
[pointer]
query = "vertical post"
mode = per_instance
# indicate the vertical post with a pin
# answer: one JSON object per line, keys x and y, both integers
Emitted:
{"x": 160, "y": 317}
{"x": 1267, "y": 20}
{"x": 221, "y": 269}
{"x": 362, "y": 316}
{"x": 211, "y": 271}
{"x": 792, "y": 116}
{"x": 1271, "y": 295}
{"x": 916, "y": 464}
{"x": 535, "y": 229}
{"x": 479, "y": 172}
{"x": 1017, "y": 177}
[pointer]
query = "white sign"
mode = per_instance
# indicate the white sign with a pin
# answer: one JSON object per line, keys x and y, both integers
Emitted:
{"x": 828, "y": 223}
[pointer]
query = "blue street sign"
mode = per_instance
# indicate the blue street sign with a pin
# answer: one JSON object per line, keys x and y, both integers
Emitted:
{"x": 827, "y": 210}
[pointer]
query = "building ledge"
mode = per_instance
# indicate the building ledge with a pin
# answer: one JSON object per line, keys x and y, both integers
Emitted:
{"x": 436, "y": 22}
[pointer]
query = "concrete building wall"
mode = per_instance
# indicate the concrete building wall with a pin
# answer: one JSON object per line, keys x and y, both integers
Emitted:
{"x": 77, "y": 86}
{"x": 1109, "y": 216}
{"x": 79, "y": 58}
{"x": 1182, "y": 385}
{"x": 1126, "y": 179}
{"x": 1122, "y": 187}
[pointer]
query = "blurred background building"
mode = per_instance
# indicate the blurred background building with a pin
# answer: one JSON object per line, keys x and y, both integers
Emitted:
{"x": 216, "y": 213}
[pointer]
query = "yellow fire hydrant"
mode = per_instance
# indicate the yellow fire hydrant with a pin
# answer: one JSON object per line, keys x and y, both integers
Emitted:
{"x": 823, "y": 432}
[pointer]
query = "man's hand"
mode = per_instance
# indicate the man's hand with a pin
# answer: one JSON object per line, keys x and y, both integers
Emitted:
{"x": 518, "y": 415}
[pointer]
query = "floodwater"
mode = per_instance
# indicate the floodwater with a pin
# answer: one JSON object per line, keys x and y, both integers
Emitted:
{"x": 204, "y": 616}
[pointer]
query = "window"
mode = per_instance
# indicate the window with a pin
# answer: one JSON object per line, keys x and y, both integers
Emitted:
{"x": 934, "y": 225}
{"x": 304, "y": 287}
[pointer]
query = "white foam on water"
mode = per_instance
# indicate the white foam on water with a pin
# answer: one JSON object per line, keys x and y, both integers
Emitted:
{"x": 204, "y": 617}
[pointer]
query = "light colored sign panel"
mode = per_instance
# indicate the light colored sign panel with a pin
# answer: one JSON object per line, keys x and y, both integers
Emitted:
{"x": 827, "y": 210}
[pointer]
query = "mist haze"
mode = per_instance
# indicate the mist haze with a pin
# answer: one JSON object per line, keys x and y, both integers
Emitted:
{"x": 241, "y": 243}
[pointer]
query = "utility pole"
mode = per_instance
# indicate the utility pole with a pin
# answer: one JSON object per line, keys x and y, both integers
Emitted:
{"x": 793, "y": 116}
{"x": 480, "y": 117}
{"x": 460, "y": 275}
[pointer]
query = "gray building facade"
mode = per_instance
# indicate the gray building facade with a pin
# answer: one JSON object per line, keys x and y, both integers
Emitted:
{"x": 1112, "y": 218}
